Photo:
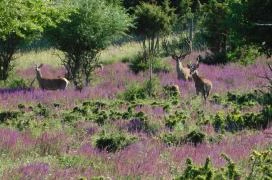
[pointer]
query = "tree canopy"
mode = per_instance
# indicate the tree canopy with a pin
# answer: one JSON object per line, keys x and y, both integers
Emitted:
{"x": 24, "y": 20}
{"x": 92, "y": 27}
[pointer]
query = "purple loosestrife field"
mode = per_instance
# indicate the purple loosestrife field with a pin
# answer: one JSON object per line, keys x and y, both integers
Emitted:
{"x": 99, "y": 132}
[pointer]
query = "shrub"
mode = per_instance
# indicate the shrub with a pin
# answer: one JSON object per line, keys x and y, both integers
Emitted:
{"x": 207, "y": 171}
{"x": 113, "y": 141}
{"x": 171, "y": 91}
{"x": 177, "y": 119}
{"x": 134, "y": 91}
{"x": 244, "y": 54}
{"x": 140, "y": 64}
{"x": 236, "y": 121}
{"x": 5, "y": 115}
{"x": 195, "y": 137}
{"x": 171, "y": 139}
{"x": 17, "y": 83}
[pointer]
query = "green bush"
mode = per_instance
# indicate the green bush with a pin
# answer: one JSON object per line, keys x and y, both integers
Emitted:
{"x": 136, "y": 91}
{"x": 236, "y": 121}
{"x": 17, "y": 83}
{"x": 195, "y": 137}
{"x": 171, "y": 139}
{"x": 140, "y": 64}
{"x": 207, "y": 171}
{"x": 176, "y": 119}
{"x": 133, "y": 92}
{"x": 113, "y": 141}
{"x": 244, "y": 54}
{"x": 171, "y": 91}
{"x": 6, "y": 115}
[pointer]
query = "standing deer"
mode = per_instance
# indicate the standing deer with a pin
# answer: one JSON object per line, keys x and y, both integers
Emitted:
{"x": 202, "y": 84}
{"x": 50, "y": 84}
{"x": 182, "y": 71}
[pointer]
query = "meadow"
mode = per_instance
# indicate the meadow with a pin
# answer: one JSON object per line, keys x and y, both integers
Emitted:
{"x": 111, "y": 129}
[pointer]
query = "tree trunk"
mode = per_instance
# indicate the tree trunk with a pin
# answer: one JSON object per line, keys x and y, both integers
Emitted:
{"x": 191, "y": 34}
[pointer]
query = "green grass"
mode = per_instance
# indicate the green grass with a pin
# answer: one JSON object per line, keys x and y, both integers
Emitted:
{"x": 52, "y": 57}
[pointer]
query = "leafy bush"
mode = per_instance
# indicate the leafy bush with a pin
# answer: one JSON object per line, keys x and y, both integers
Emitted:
{"x": 176, "y": 119}
{"x": 171, "y": 91}
{"x": 17, "y": 83}
{"x": 248, "y": 99}
{"x": 136, "y": 91}
{"x": 261, "y": 165}
{"x": 113, "y": 141}
{"x": 195, "y": 137}
{"x": 5, "y": 115}
{"x": 245, "y": 54}
{"x": 236, "y": 121}
{"x": 207, "y": 171}
{"x": 139, "y": 64}
{"x": 172, "y": 138}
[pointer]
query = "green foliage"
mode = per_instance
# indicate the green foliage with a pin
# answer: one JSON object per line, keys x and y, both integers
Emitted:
{"x": 244, "y": 55}
{"x": 152, "y": 20}
{"x": 136, "y": 91}
{"x": 133, "y": 92}
{"x": 139, "y": 63}
{"x": 172, "y": 138}
{"x": 24, "y": 21}
{"x": 171, "y": 91}
{"x": 92, "y": 27}
{"x": 236, "y": 121}
{"x": 6, "y": 115}
{"x": 68, "y": 161}
{"x": 207, "y": 171}
{"x": 17, "y": 83}
{"x": 195, "y": 137}
{"x": 248, "y": 99}
{"x": 113, "y": 141}
{"x": 260, "y": 165}
{"x": 257, "y": 29}
{"x": 176, "y": 120}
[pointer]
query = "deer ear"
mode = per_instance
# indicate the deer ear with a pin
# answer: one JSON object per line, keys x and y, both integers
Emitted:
{"x": 188, "y": 66}
{"x": 174, "y": 56}
{"x": 40, "y": 65}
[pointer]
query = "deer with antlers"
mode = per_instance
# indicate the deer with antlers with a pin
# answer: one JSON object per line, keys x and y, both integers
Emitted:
{"x": 202, "y": 84}
{"x": 50, "y": 84}
{"x": 182, "y": 71}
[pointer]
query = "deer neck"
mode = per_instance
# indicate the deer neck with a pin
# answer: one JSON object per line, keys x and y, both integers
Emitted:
{"x": 39, "y": 75}
{"x": 196, "y": 77}
{"x": 179, "y": 66}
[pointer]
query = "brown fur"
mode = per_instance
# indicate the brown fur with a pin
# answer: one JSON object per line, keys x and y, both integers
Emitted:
{"x": 202, "y": 84}
{"x": 50, "y": 84}
{"x": 183, "y": 73}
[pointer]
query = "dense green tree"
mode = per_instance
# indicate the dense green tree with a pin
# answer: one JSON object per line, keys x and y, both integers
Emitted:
{"x": 92, "y": 27}
{"x": 258, "y": 15}
{"x": 24, "y": 20}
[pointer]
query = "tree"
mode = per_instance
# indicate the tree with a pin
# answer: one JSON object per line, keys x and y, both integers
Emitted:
{"x": 258, "y": 15}
{"x": 24, "y": 20}
{"x": 92, "y": 27}
{"x": 153, "y": 21}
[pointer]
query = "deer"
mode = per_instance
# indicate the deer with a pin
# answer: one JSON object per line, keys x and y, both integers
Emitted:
{"x": 59, "y": 83}
{"x": 183, "y": 72}
{"x": 202, "y": 84}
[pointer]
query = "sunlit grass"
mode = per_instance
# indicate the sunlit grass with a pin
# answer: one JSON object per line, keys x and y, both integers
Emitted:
{"x": 53, "y": 57}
